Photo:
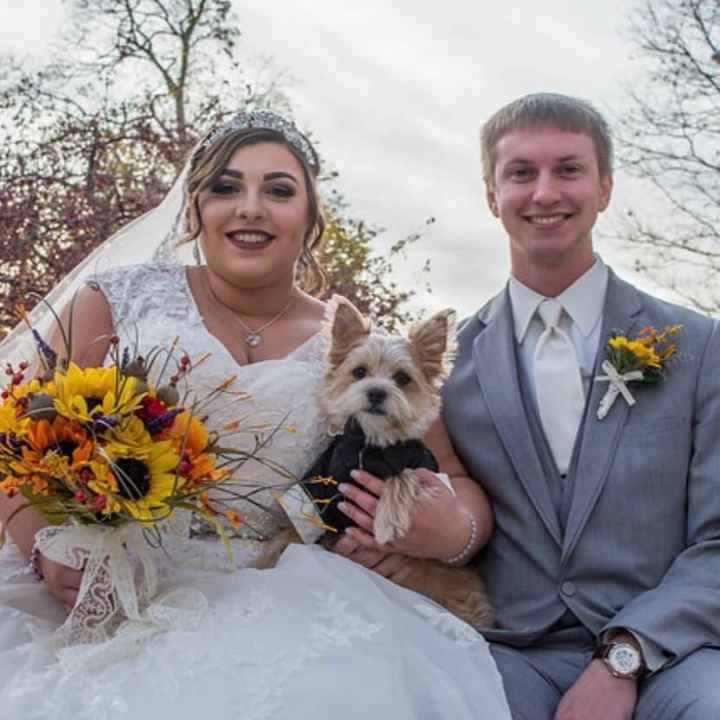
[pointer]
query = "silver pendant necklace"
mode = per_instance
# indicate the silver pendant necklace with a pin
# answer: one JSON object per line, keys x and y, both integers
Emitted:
{"x": 253, "y": 338}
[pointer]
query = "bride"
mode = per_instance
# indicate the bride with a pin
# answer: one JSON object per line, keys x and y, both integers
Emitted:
{"x": 316, "y": 636}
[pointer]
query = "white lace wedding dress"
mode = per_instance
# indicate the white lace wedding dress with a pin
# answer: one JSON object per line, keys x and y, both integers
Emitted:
{"x": 316, "y": 637}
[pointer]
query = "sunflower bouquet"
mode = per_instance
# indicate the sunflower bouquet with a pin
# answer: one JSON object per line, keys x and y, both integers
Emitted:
{"x": 106, "y": 456}
{"x": 642, "y": 359}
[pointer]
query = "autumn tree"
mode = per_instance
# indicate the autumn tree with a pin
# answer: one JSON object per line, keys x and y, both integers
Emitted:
{"x": 95, "y": 137}
{"x": 670, "y": 138}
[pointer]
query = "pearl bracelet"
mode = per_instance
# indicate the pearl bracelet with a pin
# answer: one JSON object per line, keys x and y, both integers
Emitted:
{"x": 465, "y": 552}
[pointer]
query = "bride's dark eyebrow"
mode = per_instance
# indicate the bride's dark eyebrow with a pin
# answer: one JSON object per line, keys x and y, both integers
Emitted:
{"x": 267, "y": 176}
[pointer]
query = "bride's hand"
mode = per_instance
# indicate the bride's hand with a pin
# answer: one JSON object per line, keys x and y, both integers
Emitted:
{"x": 62, "y": 582}
{"x": 438, "y": 523}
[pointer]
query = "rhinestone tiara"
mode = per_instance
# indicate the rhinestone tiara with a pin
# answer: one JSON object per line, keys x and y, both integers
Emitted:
{"x": 266, "y": 120}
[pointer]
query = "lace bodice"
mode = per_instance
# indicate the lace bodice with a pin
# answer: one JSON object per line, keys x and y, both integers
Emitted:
{"x": 151, "y": 306}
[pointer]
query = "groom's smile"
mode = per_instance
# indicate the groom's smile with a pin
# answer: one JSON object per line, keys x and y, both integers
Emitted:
{"x": 548, "y": 222}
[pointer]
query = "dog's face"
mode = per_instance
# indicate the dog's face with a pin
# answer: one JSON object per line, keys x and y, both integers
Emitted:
{"x": 389, "y": 384}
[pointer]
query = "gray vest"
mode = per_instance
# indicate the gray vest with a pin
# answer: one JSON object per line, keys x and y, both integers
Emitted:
{"x": 560, "y": 487}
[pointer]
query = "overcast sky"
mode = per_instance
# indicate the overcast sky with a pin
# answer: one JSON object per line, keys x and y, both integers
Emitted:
{"x": 395, "y": 93}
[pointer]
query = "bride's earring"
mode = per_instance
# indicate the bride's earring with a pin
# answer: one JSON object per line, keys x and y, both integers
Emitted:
{"x": 196, "y": 252}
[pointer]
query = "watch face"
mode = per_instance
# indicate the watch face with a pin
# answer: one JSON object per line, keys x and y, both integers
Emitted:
{"x": 624, "y": 659}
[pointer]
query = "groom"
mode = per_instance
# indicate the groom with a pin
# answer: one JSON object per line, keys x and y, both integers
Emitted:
{"x": 604, "y": 565}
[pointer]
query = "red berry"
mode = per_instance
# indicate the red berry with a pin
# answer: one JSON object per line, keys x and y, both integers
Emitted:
{"x": 24, "y": 365}
{"x": 9, "y": 370}
{"x": 80, "y": 496}
{"x": 5, "y": 395}
{"x": 17, "y": 378}
{"x": 114, "y": 340}
{"x": 100, "y": 502}
{"x": 86, "y": 476}
{"x": 184, "y": 467}
{"x": 184, "y": 361}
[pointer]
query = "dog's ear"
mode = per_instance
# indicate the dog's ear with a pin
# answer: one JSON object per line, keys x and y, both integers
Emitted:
{"x": 433, "y": 344}
{"x": 344, "y": 327}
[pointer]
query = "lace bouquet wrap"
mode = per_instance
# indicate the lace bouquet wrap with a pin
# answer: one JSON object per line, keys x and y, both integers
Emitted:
{"x": 107, "y": 458}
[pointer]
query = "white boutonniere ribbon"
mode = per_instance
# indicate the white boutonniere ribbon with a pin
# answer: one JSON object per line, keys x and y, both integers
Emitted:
{"x": 617, "y": 386}
{"x": 642, "y": 359}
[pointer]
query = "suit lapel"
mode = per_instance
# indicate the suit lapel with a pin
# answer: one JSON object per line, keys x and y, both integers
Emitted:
{"x": 497, "y": 373}
{"x": 600, "y": 438}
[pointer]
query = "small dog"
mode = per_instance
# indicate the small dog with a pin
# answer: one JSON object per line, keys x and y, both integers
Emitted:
{"x": 381, "y": 393}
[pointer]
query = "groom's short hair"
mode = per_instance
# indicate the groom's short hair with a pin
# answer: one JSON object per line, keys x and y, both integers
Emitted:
{"x": 561, "y": 112}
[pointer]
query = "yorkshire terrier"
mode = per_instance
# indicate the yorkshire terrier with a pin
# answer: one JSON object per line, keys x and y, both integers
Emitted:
{"x": 381, "y": 393}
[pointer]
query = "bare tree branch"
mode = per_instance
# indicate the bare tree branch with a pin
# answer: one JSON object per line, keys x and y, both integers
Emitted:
{"x": 670, "y": 137}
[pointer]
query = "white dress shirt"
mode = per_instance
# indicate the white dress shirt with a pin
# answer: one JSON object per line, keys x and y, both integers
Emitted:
{"x": 583, "y": 302}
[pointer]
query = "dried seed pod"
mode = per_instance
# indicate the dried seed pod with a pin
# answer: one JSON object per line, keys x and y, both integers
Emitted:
{"x": 136, "y": 368}
{"x": 169, "y": 395}
{"x": 42, "y": 407}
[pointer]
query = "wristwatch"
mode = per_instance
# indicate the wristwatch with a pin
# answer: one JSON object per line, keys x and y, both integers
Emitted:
{"x": 622, "y": 660}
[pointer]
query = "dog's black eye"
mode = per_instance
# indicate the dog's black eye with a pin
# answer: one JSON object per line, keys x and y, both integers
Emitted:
{"x": 402, "y": 378}
{"x": 359, "y": 372}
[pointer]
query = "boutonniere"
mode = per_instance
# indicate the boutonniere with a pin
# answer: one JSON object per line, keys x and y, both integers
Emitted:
{"x": 640, "y": 360}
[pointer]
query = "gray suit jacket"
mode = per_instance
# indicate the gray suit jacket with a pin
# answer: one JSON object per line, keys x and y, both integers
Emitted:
{"x": 641, "y": 547}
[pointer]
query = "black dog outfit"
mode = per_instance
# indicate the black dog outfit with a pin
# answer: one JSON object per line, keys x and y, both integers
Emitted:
{"x": 351, "y": 451}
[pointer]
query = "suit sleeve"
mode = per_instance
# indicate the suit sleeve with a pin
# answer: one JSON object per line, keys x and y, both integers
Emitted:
{"x": 682, "y": 613}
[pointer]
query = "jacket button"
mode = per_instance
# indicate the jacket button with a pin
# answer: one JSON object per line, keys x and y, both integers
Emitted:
{"x": 568, "y": 588}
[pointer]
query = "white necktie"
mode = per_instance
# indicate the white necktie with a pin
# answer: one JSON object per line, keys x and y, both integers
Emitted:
{"x": 558, "y": 385}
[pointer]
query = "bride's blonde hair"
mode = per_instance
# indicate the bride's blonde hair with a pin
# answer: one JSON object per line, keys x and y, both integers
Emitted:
{"x": 207, "y": 163}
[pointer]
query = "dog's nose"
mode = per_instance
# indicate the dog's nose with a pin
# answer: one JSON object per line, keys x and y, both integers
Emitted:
{"x": 376, "y": 396}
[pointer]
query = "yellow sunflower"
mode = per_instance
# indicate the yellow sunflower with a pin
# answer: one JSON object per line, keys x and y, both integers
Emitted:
{"x": 9, "y": 421}
{"x": 137, "y": 480}
{"x": 13, "y": 414}
{"x": 82, "y": 393}
{"x": 130, "y": 434}
{"x": 56, "y": 450}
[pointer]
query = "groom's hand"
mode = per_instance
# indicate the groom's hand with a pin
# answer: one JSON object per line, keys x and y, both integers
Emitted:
{"x": 391, "y": 566}
{"x": 597, "y": 695}
{"x": 349, "y": 547}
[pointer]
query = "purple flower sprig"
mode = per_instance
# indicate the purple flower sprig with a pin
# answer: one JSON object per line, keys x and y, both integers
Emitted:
{"x": 44, "y": 349}
{"x": 163, "y": 421}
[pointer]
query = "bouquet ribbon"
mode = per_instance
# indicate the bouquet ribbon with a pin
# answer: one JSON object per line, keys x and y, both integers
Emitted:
{"x": 110, "y": 594}
{"x": 617, "y": 386}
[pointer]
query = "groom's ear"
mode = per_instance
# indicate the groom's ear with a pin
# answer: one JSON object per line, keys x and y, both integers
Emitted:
{"x": 433, "y": 344}
{"x": 344, "y": 327}
{"x": 491, "y": 198}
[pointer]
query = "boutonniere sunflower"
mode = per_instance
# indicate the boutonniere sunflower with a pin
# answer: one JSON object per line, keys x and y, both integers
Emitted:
{"x": 642, "y": 359}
